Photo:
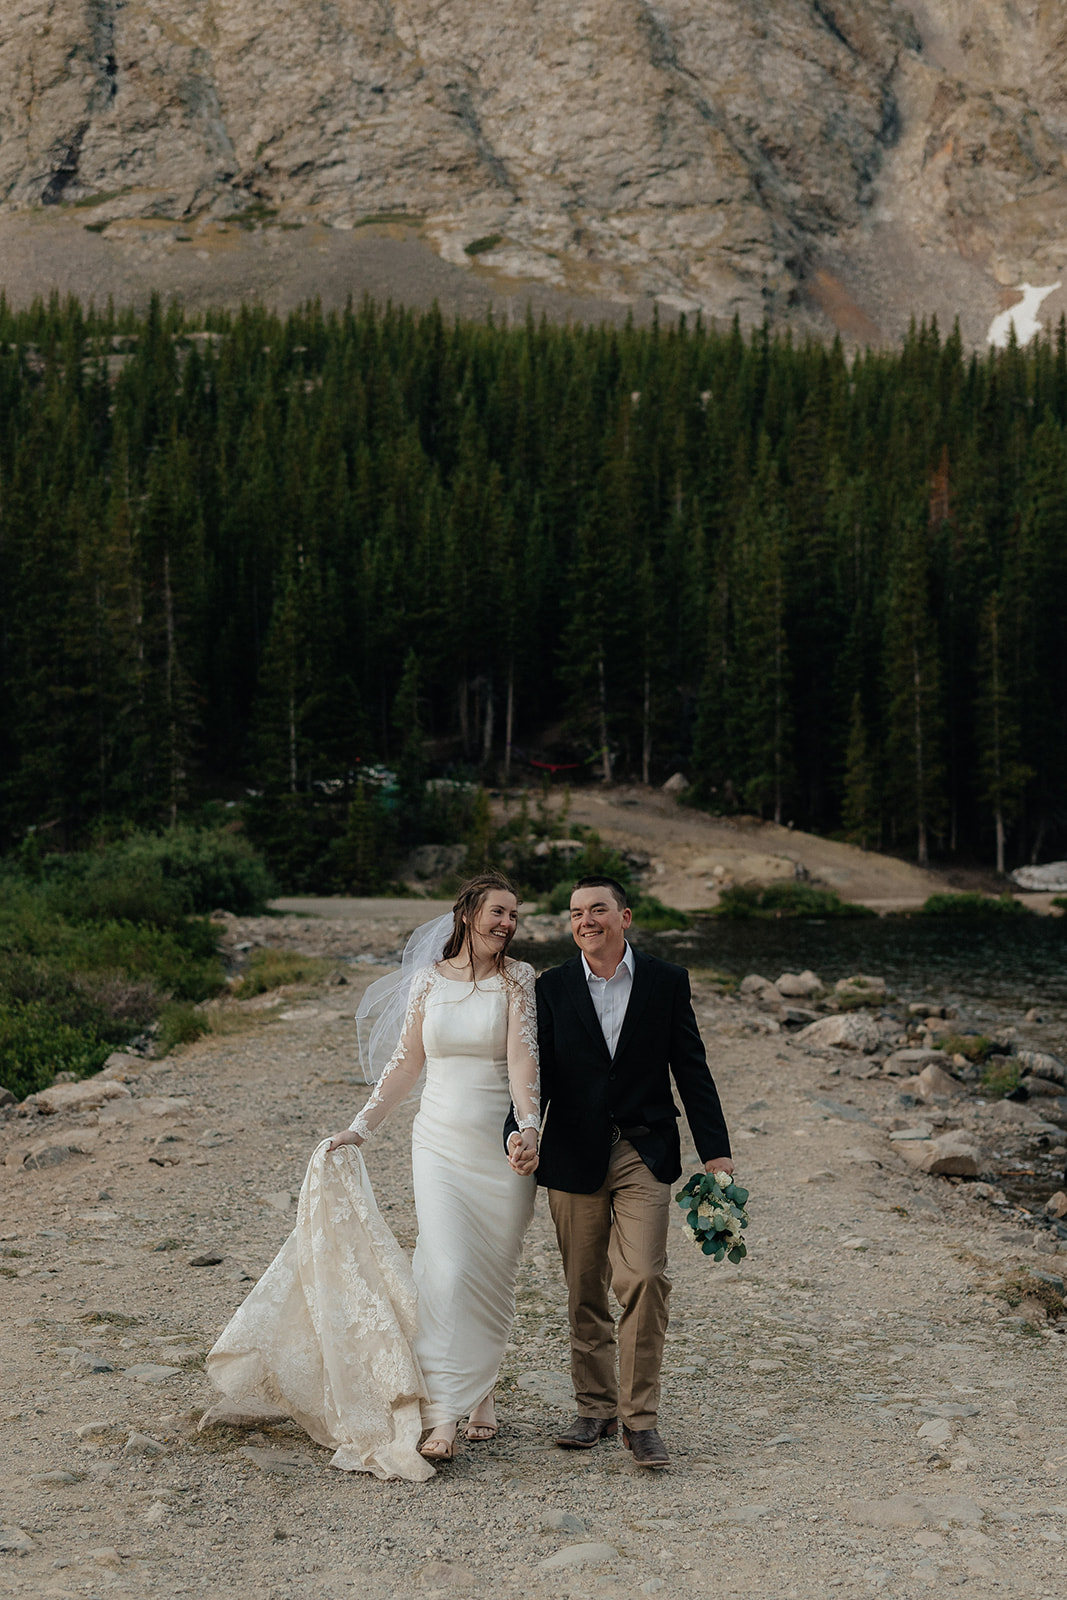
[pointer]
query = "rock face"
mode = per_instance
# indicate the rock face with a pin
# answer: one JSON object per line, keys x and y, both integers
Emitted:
{"x": 723, "y": 155}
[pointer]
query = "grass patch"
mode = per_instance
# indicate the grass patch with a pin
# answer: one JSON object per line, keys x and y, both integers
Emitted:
{"x": 1000, "y": 1077}
{"x": 725, "y": 981}
{"x": 87, "y": 202}
{"x": 655, "y": 917}
{"x": 115, "y": 1319}
{"x": 270, "y": 969}
{"x": 180, "y": 1023}
{"x": 256, "y": 214}
{"x": 976, "y": 1047}
{"x": 1060, "y": 902}
{"x": 96, "y": 227}
{"x": 1019, "y": 1286}
{"x": 974, "y": 905}
{"x": 390, "y": 219}
{"x": 479, "y": 247}
{"x": 785, "y": 899}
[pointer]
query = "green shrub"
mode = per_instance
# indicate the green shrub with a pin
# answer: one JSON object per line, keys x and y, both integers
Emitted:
{"x": 35, "y": 1044}
{"x": 785, "y": 898}
{"x": 974, "y": 905}
{"x": 180, "y": 1023}
{"x": 999, "y": 1077}
{"x": 652, "y": 915}
{"x": 1060, "y": 902}
{"x": 269, "y": 969}
{"x": 160, "y": 878}
{"x": 594, "y": 857}
{"x": 974, "y": 1046}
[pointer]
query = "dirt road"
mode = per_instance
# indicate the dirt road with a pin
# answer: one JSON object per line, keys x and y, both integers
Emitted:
{"x": 853, "y": 1410}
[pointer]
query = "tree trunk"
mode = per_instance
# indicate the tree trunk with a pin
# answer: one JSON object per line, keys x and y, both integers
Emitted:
{"x": 464, "y": 720}
{"x": 646, "y": 731}
{"x": 920, "y": 774}
{"x": 605, "y": 753}
{"x": 292, "y": 741}
{"x": 999, "y": 818}
{"x": 487, "y": 742}
{"x": 170, "y": 684}
{"x": 509, "y": 721}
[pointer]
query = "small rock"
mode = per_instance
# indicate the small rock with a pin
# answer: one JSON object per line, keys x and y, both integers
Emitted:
{"x": 798, "y": 985}
{"x": 921, "y": 1130}
{"x": 562, "y": 1522}
{"x": 761, "y": 1365}
{"x": 446, "y": 1575}
{"x": 210, "y": 1258}
{"x": 1033, "y": 1015}
{"x": 121, "y": 1067}
{"x": 1056, "y": 1205}
{"x": 89, "y": 1095}
{"x": 937, "y": 1432}
{"x": 51, "y": 1155}
{"x": 85, "y": 1361}
{"x": 934, "y": 1081}
{"x": 746, "y": 1513}
{"x": 140, "y": 1444}
{"x": 279, "y": 1201}
{"x": 824, "y": 1175}
{"x": 677, "y": 783}
{"x": 107, "y": 1556}
{"x": 57, "y": 1475}
{"x": 923, "y": 1008}
{"x": 278, "y": 1462}
{"x": 848, "y": 1031}
{"x": 155, "y": 1514}
{"x": 151, "y": 1372}
{"x": 580, "y": 1555}
{"x": 760, "y": 992}
{"x": 226, "y": 1414}
{"x": 1041, "y": 1065}
{"x": 861, "y": 987}
{"x": 6, "y": 1097}
{"x": 551, "y": 1388}
{"x": 1053, "y": 1280}
{"x": 93, "y": 1430}
{"x": 15, "y": 1542}
{"x": 652, "y": 1586}
{"x": 905, "y": 1063}
{"x": 953, "y": 1155}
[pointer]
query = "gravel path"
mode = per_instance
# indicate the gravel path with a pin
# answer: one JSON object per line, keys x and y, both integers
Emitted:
{"x": 853, "y": 1410}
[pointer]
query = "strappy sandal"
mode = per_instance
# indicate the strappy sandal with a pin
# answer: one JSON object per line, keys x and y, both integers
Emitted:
{"x": 480, "y": 1432}
{"x": 438, "y": 1449}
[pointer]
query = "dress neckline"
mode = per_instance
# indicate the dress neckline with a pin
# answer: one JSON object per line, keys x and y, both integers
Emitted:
{"x": 494, "y": 977}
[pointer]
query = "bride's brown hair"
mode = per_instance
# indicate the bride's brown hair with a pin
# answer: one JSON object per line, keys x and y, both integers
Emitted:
{"x": 468, "y": 903}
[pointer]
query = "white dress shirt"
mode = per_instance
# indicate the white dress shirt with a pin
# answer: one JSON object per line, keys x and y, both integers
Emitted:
{"x": 610, "y": 997}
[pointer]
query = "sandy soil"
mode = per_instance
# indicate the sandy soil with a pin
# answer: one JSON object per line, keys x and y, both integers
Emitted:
{"x": 853, "y": 1410}
{"x": 692, "y": 855}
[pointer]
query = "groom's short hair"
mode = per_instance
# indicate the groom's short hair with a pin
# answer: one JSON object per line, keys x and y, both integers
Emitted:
{"x": 599, "y": 881}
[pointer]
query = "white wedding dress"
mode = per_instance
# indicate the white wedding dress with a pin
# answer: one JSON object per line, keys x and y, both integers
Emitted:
{"x": 339, "y": 1334}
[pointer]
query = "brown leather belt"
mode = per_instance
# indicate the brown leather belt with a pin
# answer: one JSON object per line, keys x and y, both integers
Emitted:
{"x": 635, "y": 1132}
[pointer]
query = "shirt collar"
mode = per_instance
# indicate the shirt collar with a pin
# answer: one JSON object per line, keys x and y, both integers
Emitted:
{"x": 627, "y": 962}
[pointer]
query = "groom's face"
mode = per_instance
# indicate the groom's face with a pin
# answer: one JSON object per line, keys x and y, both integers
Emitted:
{"x": 597, "y": 922}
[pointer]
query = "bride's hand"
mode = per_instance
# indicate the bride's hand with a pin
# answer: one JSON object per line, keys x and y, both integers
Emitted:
{"x": 348, "y": 1137}
{"x": 522, "y": 1152}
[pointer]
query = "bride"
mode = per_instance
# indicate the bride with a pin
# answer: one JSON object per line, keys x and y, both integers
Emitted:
{"x": 337, "y": 1333}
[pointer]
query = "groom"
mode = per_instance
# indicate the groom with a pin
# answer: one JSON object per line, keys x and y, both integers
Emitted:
{"x": 614, "y": 1027}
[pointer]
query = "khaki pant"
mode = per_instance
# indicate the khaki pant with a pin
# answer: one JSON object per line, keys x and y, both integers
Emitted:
{"x": 616, "y": 1237}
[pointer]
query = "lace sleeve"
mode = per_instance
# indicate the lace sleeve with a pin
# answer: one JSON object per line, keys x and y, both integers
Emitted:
{"x": 407, "y": 1061}
{"x": 523, "y": 1073}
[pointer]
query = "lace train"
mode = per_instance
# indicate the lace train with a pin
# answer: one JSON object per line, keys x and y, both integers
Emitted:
{"x": 327, "y": 1335}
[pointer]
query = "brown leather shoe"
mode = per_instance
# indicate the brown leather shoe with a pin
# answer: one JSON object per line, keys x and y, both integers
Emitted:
{"x": 646, "y": 1447}
{"x": 585, "y": 1432}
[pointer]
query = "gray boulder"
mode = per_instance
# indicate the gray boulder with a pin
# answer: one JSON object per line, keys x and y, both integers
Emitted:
{"x": 848, "y": 1031}
{"x": 1049, "y": 879}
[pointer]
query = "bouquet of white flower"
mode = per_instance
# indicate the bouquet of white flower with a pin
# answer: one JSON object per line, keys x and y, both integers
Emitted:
{"x": 715, "y": 1214}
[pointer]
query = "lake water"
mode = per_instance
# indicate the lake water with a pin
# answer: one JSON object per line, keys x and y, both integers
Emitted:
{"x": 991, "y": 969}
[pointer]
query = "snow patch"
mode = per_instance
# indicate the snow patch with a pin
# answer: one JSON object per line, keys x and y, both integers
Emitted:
{"x": 1023, "y": 317}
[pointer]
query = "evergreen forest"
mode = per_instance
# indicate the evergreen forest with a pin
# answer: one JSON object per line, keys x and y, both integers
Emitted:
{"x": 313, "y": 563}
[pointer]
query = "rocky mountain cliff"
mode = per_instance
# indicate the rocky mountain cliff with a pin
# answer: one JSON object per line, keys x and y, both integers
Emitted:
{"x": 758, "y": 156}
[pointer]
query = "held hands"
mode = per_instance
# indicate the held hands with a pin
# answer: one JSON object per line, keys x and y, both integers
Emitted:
{"x": 522, "y": 1152}
{"x": 348, "y": 1137}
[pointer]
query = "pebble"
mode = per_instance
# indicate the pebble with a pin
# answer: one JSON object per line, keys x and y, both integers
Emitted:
{"x": 107, "y": 1556}
{"x": 58, "y": 1475}
{"x": 15, "y": 1542}
{"x": 562, "y": 1522}
{"x": 85, "y": 1361}
{"x": 761, "y": 1365}
{"x": 280, "y": 1201}
{"x": 580, "y": 1555}
{"x": 140, "y": 1444}
{"x": 446, "y": 1575}
{"x": 210, "y": 1258}
{"x": 151, "y": 1372}
{"x": 936, "y": 1432}
{"x": 271, "y": 1461}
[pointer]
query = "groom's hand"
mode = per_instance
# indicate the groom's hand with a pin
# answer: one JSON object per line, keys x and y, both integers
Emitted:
{"x": 522, "y": 1152}
{"x": 719, "y": 1164}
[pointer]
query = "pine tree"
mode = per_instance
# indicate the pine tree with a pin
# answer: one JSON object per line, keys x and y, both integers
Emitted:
{"x": 912, "y": 678}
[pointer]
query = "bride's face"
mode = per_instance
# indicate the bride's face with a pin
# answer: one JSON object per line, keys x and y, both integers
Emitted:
{"x": 494, "y": 923}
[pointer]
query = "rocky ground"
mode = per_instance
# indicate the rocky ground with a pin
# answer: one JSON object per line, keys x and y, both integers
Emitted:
{"x": 866, "y": 1405}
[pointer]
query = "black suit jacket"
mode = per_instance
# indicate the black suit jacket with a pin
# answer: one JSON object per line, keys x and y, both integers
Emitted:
{"x": 586, "y": 1091}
